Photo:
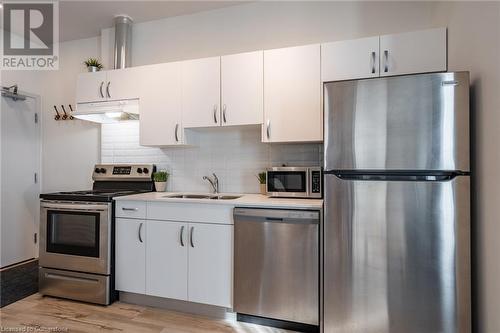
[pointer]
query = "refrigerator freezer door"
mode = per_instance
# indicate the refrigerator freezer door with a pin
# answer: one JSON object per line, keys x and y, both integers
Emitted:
{"x": 397, "y": 256}
{"x": 412, "y": 122}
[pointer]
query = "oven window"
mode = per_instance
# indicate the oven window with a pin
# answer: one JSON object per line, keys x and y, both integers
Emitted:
{"x": 286, "y": 181}
{"x": 75, "y": 233}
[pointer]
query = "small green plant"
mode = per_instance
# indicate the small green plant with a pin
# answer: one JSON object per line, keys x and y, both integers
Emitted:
{"x": 160, "y": 176}
{"x": 93, "y": 62}
{"x": 261, "y": 176}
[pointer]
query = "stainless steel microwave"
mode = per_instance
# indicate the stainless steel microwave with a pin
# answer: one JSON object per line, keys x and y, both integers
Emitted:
{"x": 294, "y": 182}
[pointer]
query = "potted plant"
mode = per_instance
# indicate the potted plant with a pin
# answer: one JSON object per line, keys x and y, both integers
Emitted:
{"x": 261, "y": 176}
{"x": 93, "y": 65}
{"x": 160, "y": 179}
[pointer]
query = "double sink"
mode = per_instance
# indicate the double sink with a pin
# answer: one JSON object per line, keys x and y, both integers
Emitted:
{"x": 202, "y": 196}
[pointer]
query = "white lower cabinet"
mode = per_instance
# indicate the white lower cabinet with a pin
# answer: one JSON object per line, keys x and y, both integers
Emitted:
{"x": 130, "y": 247}
{"x": 167, "y": 259}
{"x": 180, "y": 260}
{"x": 210, "y": 264}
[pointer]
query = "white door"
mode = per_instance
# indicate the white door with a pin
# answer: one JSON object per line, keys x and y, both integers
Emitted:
{"x": 20, "y": 161}
{"x": 91, "y": 87}
{"x": 210, "y": 264}
{"x": 292, "y": 95}
{"x": 160, "y": 105}
{"x": 350, "y": 59}
{"x": 413, "y": 52}
{"x": 201, "y": 92}
{"x": 123, "y": 83}
{"x": 167, "y": 259}
{"x": 130, "y": 255}
{"x": 242, "y": 88}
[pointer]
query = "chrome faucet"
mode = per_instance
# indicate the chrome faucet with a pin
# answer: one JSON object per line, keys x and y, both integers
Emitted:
{"x": 214, "y": 182}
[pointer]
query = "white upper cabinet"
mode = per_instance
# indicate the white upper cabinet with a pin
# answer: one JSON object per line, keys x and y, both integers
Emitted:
{"x": 201, "y": 92}
{"x": 123, "y": 83}
{"x": 130, "y": 255}
{"x": 167, "y": 259}
{"x": 242, "y": 88}
{"x": 351, "y": 59}
{"x": 90, "y": 87}
{"x": 413, "y": 52}
{"x": 210, "y": 264}
{"x": 160, "y": 105}
{"x": 292, "y": 95}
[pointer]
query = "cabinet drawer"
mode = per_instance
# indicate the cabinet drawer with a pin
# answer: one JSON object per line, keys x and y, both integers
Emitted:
{"x": 131, "y": 209}
{"x": 190, "y": 212}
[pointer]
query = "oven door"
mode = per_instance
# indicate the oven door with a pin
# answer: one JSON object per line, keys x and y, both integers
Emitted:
{"x": 75, "y": 236}
{"x": 288, "y": 182}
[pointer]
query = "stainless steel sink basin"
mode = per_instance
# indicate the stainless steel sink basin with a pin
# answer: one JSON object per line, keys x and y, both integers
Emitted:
{"x": 203, "y": 196}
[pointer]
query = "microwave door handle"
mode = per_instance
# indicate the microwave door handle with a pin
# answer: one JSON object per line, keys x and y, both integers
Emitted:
{"x": 74, "y": 207}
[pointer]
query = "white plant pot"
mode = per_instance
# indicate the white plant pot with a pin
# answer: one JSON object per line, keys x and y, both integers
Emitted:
{"x": 160, "y": 186}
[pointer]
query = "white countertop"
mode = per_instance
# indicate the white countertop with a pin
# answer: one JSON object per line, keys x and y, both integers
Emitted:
{"x": 246, "y": 200}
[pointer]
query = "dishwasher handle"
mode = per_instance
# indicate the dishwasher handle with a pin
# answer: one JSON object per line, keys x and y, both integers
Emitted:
{"x": 276, "y": 215}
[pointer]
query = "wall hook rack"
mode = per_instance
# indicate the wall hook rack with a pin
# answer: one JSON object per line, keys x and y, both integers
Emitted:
{"x": 64, "y": 115}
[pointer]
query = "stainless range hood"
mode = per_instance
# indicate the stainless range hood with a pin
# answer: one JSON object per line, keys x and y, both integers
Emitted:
{"x": 108, "y": 112}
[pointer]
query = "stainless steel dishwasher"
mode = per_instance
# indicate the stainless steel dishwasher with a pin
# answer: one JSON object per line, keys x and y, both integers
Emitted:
{"x": 276, "y": 266}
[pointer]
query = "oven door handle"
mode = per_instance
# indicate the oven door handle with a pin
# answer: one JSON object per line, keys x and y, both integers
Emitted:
{"x": 75, "y": 207}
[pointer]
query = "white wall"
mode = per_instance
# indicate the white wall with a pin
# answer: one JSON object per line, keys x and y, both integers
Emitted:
{"x": 474, "y": 45}
{"x": 236, "y": 155}
{"x": 69, "y": 148}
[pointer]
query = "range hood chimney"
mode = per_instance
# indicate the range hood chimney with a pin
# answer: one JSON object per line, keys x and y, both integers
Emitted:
{"x": 123, "y": 41}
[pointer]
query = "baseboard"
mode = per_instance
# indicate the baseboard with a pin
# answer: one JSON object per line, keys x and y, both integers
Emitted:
{"x": 211, "y": 311}
{"x": 18, "y": 281}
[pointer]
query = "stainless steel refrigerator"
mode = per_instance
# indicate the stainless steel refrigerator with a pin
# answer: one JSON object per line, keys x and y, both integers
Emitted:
{"x": 397, "y": 205}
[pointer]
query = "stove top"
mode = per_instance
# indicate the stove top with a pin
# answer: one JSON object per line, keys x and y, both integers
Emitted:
{"x": 111, "y": 180}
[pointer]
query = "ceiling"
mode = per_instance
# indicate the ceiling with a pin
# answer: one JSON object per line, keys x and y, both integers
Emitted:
{"x": 84, "y": 19}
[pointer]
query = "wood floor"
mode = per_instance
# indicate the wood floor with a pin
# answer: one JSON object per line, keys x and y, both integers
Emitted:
{"x": 47, "y": 314}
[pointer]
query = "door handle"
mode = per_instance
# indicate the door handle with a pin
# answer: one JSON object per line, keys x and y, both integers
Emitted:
{"x": 215, "y": 113}
{"x": 70, "y": 278}
{"x": 100, "y": 89}
{"x": 373, "y": 62}
{"x": 386, "y": 62}
{"x": 140, "y": 233}
{"x": 224, "y": 113}
{"x": 130, "y": 209}
{"x": 191, "y": 237}
{"x": 182, "y": 236}
{"x": 268, "y": 128}
{"x": 176, "y": 132}
{"x": 107, "y": 89}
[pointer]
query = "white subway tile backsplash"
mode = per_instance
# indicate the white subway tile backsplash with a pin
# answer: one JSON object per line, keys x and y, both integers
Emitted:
{"x": 236, "y": 155}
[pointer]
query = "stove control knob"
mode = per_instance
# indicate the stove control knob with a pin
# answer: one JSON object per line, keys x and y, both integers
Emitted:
{"x": 145, "y": 170}
{"x": 139, "y": 170}
{"x": 97, "y": 170}
{"x": 102, "y": 170}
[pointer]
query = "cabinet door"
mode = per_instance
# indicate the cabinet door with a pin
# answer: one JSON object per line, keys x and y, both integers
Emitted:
{"x": 201, "y": 92}
{"x": 160, "y": 105}
{"x": 351, "y": 59}
{"x": 413, "y": 52}
{"x": 123, "y": 83}
{"x": 210, "y": 264}
{"x": 167, "y": 259}
{"x": 292, "y": 95}
{"x": 90, "y": 87}
{"x": 242, "y": 88}
{"x": 130, "y": 248}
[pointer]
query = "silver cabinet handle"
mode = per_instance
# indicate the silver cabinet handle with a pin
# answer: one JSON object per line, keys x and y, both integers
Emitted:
{"x": 176, "y": 132}
{"x": 215, "y": 113}
{"x": 182, "y": 236}
{"x": 107, "y": 89}
{"x": 268, "y": 129}
{"x": 130, "y": 209}
{"x": 224, "y": 113}
{"x": 100, "y": 89}
{"x": 373, "y": 62}
{"x": 191, "y": 237}
{"x": 386, "y": 62}
{"x": 140, "y": 234}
